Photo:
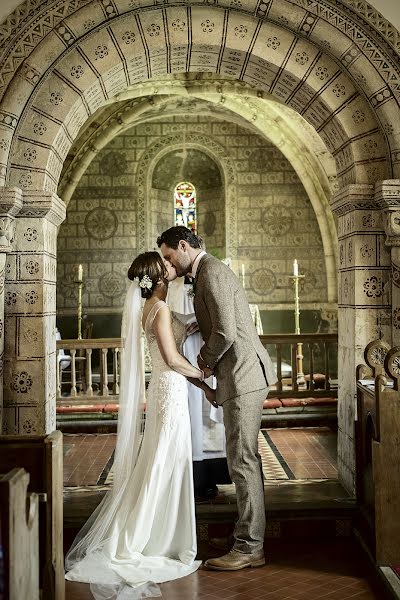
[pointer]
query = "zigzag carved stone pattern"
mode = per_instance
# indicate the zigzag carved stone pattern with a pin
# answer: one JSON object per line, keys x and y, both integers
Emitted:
{"x": 71, "y": 57}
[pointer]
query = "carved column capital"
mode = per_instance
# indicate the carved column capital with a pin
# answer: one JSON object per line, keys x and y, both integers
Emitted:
{"x": 387, "y": 196}
{"x": 39, "y": 204}
{"x": 356, "y": 196}
{"x": 10, "y": 205}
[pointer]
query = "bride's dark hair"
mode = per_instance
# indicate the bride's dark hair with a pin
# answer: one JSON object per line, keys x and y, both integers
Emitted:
{"x": 150, "y": 264}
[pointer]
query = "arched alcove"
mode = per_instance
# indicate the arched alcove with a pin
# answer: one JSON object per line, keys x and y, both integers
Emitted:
{"x": 196, "y": 166}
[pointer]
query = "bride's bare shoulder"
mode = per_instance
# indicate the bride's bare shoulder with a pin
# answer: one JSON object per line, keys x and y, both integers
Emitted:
{"x": 153, "y": 310}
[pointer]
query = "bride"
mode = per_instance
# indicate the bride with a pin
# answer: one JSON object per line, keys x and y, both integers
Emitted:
{"x": 144, "y": 530}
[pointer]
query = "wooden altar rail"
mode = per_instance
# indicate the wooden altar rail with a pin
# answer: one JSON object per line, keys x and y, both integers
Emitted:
{"x": 81, "y": 380}
{"x": 323, "y": 343}
{"x": 79, "y": 374}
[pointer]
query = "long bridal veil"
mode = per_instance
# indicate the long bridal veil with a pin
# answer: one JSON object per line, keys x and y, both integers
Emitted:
{"x": 92, "y": 540}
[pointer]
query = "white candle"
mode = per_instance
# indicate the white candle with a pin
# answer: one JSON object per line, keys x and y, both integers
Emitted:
{"x": 243, "y": 272}
{"x": 295, "y": 268}
{"x": 80, "y": 273}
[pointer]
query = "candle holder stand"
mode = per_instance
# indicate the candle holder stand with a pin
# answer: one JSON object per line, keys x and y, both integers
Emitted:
{"x": 299, "y": 350}
{"x": 79, "y": 283}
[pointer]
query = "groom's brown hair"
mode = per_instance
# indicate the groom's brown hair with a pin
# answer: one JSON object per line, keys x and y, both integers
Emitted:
{"x": 172, "y": 236}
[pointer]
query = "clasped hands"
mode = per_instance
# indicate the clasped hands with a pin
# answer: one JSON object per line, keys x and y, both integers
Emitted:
{"x": 209, "y": 392}
{"x": 203, "y": 366}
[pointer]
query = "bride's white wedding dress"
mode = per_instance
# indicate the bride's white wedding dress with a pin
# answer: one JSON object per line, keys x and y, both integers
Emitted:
{"x": 151, "y": 534}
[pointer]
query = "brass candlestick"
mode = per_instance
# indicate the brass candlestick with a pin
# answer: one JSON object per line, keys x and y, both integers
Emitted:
{"x": 299, "y": 356}
{"x": 79, "y": 282}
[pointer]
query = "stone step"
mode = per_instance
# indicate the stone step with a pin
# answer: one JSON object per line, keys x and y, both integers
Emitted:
{"x": 298, "y": 508}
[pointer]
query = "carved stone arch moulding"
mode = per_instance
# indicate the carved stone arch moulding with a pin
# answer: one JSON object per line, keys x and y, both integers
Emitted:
{"x": 144, "y": 174}
{"x": 31, "y": 22}
{"x": 87, "y": 77}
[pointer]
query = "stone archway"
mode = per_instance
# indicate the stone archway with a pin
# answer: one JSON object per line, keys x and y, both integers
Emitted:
{"x": 324, "y": 61}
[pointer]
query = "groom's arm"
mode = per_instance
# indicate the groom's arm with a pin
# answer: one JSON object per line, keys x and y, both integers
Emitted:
{"x": 219, "y": 299}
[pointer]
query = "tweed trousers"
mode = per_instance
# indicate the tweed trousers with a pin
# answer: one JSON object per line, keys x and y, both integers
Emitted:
{"x": 242, "y": 419}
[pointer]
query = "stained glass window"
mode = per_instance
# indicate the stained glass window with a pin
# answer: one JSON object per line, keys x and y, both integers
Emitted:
{"x": 185, "y": 205}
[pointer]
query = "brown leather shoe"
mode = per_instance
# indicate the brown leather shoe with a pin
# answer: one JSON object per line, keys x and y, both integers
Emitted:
{"x": 222, "y": 543}
{"x": 234, "y": 561}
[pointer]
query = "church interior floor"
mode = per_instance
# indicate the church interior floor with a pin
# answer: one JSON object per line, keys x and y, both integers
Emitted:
{"x": 302, "y": 492}
{"x": 304, "y": 502}
{"x": 311, "y": 571}
{"x": 287, "y": 454}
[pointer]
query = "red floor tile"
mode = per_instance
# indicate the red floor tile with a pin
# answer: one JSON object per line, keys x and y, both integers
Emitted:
{"x": 309, "y": 453}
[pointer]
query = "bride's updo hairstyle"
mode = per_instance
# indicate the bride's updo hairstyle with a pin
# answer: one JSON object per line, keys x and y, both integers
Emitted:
{"x": 148, "y": 268}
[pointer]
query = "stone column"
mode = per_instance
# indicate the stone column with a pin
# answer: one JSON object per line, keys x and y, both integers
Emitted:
{"x": 30, "y": 317}
{"x": 10, "y": 205}
{"x": 364, "y": 303}
{"x": 387, "y": 194}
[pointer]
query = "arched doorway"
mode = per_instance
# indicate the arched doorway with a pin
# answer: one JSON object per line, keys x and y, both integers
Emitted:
{"x": 320, "y": 63}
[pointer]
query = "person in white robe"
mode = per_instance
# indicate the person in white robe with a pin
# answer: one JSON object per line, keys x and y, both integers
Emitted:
{"x": 208, "y": 433}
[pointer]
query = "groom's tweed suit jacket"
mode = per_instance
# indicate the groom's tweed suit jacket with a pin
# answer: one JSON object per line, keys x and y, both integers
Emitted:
{"x": 231, "y": 343}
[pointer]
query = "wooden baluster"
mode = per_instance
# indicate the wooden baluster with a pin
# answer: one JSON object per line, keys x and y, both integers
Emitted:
{"x": 279, "y": 366}
{"x": 295, "y": 385}
{"x": 73, "y": 372}
{"x": 327, "y": 375}
{"x": 104, "y": 374}
{"x": 89, "y": 382}
{"x": 311, "y": 349}
{"x": 115, "y": 372}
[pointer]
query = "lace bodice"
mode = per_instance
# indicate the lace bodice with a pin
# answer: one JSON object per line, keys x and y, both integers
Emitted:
{"x": 178, "y": 329}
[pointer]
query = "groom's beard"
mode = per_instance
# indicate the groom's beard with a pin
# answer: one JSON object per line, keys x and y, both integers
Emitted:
{"x": 181, "y": 271}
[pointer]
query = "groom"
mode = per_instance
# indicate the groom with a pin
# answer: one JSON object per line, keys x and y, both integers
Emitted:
{"x": 233, "y": 352}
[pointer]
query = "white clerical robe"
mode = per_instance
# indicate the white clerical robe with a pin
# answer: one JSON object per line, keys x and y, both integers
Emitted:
{"x": 208, "y": 432}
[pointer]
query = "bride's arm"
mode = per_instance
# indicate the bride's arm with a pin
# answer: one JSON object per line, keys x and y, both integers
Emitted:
{"x": 162, "y": 328}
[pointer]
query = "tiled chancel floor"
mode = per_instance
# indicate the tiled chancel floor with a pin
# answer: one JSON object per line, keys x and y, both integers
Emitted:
{"x": 302, "y": 571}
{"x": 304, "y": 453}
{"x": 310, "y": 453}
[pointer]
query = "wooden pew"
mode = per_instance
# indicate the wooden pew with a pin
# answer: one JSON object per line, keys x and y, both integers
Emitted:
{"x": 42, "y": 457}
{"x": 19, "y": 525}
{"x": 378, "y": 451}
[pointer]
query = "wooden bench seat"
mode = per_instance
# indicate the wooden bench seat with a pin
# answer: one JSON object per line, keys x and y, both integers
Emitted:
{"x": 42, "y": 457}
{"x": 19, "y": 537}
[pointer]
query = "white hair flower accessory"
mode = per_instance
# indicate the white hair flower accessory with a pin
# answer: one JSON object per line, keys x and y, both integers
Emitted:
{"x": 146, "y": 282}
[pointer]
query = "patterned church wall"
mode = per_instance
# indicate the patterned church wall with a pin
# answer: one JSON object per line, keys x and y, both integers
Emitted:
{"x": 161, "y": 214}
{"x": 99, "y": 233}
{"x": 275, "y": 220}
{"x": 276, "y": 223}
{"x": 212, "y": 220}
